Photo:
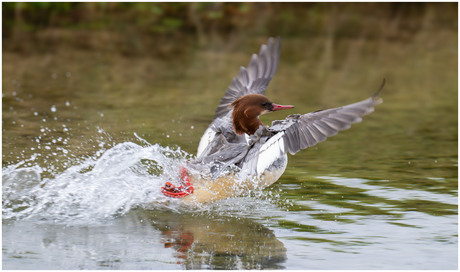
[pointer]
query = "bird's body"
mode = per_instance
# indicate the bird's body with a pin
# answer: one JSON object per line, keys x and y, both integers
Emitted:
{"x": 239, "y": 152}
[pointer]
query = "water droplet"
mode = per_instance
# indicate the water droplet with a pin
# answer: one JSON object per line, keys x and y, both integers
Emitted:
{"x": 67, "y": 103}
{"x": 35, "y": 113}
{"x": 192, "y": 127}
{"x": 167, "y": 135}
{"x": 53, "y": 108}
{"x": 54, "y": 76}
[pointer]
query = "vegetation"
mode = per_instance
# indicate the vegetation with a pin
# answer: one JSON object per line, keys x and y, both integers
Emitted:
{"x": 143, "y": 26}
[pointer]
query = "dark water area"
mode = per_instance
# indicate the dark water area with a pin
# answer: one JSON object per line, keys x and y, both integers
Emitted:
{"x": 89, "y": 136}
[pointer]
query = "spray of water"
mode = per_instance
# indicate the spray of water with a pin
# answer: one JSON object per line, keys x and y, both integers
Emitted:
{"x": 113, "y": 181}
{"x": 123, "y": 177}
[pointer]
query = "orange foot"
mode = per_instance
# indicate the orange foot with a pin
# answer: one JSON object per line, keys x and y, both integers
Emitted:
{"x": 183, "y": 190}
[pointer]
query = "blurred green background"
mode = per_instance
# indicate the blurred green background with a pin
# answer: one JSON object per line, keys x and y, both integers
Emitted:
{"x": 160, "y": 69}
{"x": 152, "y": 28}
{"x": 79, "y": 78}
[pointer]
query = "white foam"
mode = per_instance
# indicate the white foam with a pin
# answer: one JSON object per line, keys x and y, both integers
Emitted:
{"x": 125, "y": 176}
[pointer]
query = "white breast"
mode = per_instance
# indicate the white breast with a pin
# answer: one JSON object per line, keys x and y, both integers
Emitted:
{"x": 274, "y": 171}
{"x": 206, "y": 139}
{"x": 270, "y": 152}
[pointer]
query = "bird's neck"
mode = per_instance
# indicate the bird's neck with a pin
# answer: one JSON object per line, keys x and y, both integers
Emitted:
{"x": 245, "y": 124}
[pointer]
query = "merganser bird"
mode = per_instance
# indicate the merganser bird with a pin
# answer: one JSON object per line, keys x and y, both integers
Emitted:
{"x": 240, "y": 153}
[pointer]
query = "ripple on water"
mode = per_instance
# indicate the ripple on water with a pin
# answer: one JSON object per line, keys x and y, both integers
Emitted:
{"x": 391, "y": 192}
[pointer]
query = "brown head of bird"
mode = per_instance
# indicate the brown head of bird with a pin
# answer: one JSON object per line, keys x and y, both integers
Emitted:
{"x": 248, "y": 108}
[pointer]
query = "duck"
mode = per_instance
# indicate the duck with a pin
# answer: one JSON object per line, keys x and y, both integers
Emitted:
{"x": 238, "y": 153}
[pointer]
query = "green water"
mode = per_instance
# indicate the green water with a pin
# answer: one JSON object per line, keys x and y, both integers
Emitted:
{"x": 382, "y": 195}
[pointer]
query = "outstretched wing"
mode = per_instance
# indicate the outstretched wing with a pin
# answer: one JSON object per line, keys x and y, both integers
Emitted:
{"x": 315, "y": 127}
{"x": 253, "y": 79}
{"x": 298, "y": 132}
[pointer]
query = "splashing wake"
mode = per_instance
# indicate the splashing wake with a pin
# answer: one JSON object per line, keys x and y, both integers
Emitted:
{"x": 125, "y": 176}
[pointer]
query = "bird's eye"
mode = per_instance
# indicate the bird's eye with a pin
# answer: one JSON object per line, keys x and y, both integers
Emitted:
{"x": 264, "y": 104}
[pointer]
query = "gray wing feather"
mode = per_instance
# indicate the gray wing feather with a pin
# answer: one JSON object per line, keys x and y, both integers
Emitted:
{"x": 302, "y": 131}
{"x": 253, "y": 79}
{"x": 315, "y": 127}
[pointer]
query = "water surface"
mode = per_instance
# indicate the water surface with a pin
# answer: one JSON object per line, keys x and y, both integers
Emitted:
{"x": 89, "y": 138}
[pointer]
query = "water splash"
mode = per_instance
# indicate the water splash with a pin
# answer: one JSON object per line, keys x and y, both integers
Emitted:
{"x": 110, "y": 183}
{"x": 123, "y": 177}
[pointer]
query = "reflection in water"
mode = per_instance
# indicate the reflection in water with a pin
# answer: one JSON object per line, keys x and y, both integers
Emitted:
{"x": 144, "y": 240}
{"x": 204, "y": 241}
